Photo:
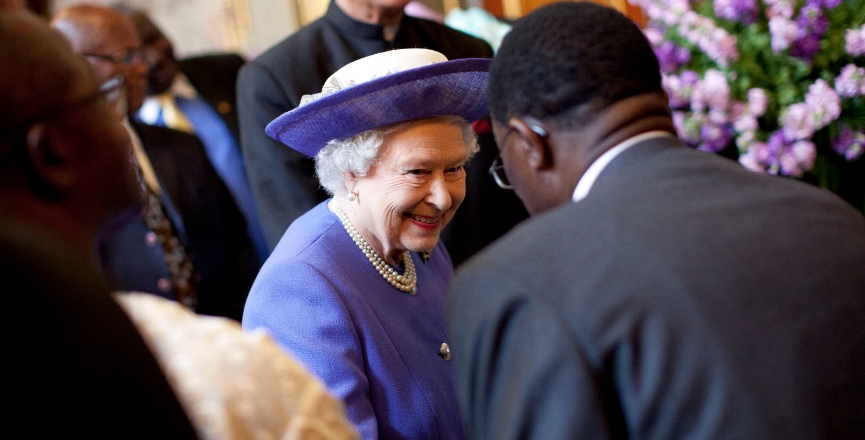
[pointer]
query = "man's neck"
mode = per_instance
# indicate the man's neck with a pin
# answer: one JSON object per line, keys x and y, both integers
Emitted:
{"x": 366, "y": 11}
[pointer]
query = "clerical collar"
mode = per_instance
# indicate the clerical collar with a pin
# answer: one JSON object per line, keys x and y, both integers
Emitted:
{"x": 351, "y": 27}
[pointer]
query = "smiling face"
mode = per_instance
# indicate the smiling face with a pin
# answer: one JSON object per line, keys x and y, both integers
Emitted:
{"x": 413, "y": 189}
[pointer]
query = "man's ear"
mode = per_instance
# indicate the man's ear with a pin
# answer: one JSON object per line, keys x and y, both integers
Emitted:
{"x": 534, "y": 137}
{"x": 51, "y": 156}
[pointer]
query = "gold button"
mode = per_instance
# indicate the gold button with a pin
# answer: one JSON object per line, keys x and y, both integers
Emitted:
{"x": 445, "y": 352}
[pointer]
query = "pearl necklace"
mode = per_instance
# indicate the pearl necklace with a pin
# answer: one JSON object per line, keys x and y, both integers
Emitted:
{"x": 406, "y": 282}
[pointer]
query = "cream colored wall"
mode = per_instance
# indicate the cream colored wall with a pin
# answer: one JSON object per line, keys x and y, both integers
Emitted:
{"x": 200, "y": 26}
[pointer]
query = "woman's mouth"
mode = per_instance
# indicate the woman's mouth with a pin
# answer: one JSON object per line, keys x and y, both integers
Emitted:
{"x": 425, "y": 222}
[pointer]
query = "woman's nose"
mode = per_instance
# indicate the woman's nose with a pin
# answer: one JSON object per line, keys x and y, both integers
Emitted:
{"x": 439, "y": 194}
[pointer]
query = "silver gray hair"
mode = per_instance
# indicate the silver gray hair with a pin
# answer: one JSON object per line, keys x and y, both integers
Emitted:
{"x": 358, "y": 153}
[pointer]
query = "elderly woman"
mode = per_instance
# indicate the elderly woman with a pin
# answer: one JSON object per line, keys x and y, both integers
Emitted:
{"x": 356, "y": 287}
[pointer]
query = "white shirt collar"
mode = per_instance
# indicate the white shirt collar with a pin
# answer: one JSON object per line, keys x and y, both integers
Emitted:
{"x": 152, "y": 107}
{"x": 591, "y": 175}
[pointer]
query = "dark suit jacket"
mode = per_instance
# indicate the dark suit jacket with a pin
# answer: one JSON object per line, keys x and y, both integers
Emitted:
{"x": 74, "y": 365}
{"x": 684, "y": 297}
{"x": 283, "y": 180}
{"x": 214, "y": 77}
{"x": 212, "y": 227}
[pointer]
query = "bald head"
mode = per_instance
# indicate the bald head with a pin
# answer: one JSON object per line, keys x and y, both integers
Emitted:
{"x": 110, "y": 42}
{"x": 90, "y": 28}
{"x": 40, "y": 72}
{"x": 64, "y": 157}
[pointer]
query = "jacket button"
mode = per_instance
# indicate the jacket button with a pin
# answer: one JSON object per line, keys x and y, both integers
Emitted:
{"x": 445, "y": 352}
{"x": 151, "y": 239}
{"x": 163, "y": 284}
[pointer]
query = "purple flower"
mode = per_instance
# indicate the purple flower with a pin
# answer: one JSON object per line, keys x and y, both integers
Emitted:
{"x": 737, "y": 10}
{"x": 806, "y": 47}
{"x": 669, "y": 56}
{"x": 713, "y": 92}
{"x": 678, "y": 91}
{"x": 679, "y": 122}
{"x": 811, "y": 17}
{"x": 831, "y": 4}
{"x": 714, "y": 138}
{"x": 849, "y": 143}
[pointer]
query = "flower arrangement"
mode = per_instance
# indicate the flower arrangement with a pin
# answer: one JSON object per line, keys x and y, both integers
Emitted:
{"x": 778, "y": 85}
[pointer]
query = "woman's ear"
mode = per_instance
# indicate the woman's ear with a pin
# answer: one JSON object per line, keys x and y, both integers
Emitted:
{"x": 51, "y": 156}
{"x": 350, "y": 180}
{"x": 534, "y": 140}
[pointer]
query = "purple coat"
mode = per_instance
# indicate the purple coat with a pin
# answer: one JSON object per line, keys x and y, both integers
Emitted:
{"x": 375, "y": 347}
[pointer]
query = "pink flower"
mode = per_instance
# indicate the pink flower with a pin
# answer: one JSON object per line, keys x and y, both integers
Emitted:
{"x": 745, "y": 123}
{"x": 779, "y": 8}
{"x": 854, "y": 41}
{"x": 823, "y": 102}
{"x": 757, "y": 102}
{"x": 797, "y": 158}
{"x": 712, "y": 92}
{"x": 805, "y": 153}
{"x": 851, "y": 81}
{"x": 749, "y": 161}
{"x": 797, "y": 122}
{"x": 783, "y": 33}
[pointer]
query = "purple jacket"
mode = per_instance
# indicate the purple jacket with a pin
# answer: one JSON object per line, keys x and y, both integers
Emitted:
{"x": 375, "y": 347}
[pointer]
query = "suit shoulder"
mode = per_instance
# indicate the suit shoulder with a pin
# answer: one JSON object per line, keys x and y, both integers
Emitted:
{"x": 295, "y": 46}
{"x": 451, "y": 42}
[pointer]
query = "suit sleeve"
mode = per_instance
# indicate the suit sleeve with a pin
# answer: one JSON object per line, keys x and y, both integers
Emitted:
{"x": 283, "y": 180}
{"x": 309, "y": 320}
{"x": 520, "y": 374}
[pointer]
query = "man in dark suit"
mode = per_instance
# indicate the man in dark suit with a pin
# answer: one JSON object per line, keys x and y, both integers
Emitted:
{"x": 657, "y": 291}
{"x": 198, "y": 95}
{"x": 73, "y": 364}
{"x": 283, "y": 180}
{"x": 192, "y": 244}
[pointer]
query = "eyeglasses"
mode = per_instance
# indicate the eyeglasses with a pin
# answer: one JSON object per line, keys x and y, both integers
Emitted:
{"x": 115, "y": 94}
{"x": 126, "y": 58}
{"x": 497, "y": 168}
{"x": 105, "y": 94}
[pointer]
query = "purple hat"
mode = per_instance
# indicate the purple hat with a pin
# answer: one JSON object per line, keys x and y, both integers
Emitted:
{"x": 383, "y": 89}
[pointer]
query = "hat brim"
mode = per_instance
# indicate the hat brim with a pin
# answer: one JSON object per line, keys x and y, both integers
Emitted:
{"x": 454, "y": 87}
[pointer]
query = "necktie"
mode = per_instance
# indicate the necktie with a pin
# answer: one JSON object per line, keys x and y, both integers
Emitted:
{"x": 184, "y": 278}
{"x": 172, "y": 115}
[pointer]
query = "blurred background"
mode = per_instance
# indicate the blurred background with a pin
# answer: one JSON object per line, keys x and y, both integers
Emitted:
{"x": 249, "y": 27}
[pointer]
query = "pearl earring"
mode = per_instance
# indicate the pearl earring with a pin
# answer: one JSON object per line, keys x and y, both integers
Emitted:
{"x": 351, "y": 196}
